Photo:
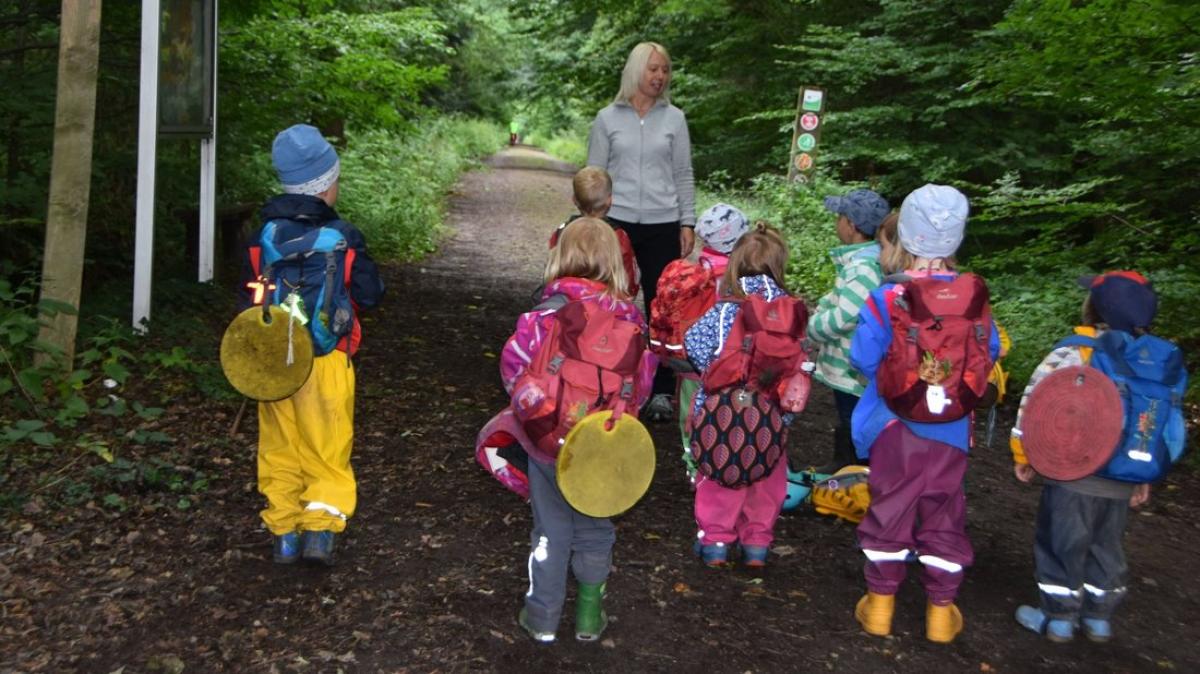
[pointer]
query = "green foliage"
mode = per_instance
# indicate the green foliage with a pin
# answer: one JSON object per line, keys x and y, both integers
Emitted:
{"x": 394, "y": 186}
{"x": 566, "y": 145}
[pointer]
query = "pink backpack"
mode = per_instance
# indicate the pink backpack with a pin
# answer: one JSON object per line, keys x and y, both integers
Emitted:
{"x": 588, "y": 362}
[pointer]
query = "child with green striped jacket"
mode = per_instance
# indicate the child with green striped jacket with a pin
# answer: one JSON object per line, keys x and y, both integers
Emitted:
{"x": 832, "y": 324}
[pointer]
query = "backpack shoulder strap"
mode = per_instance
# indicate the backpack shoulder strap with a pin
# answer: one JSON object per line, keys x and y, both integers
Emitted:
{"x": 1077, "y": 340}
{"x": 255, "y": 253}
{"x": 348, "y": 264}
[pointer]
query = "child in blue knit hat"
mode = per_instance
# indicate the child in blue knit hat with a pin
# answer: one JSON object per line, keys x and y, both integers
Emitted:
{"x": 304, "y": 440}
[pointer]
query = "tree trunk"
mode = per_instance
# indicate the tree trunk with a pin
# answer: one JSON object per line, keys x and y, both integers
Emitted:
{"x": 71, "y": 167}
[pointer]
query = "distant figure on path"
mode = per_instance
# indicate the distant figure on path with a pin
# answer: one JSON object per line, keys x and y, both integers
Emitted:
{"x": 642, "y": 141}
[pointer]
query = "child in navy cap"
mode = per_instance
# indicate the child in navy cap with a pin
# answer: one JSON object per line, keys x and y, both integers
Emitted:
{"x": 1080, "y": 564}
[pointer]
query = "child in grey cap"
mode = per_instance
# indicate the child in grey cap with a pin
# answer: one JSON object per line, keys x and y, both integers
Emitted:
{"x": 832, "y": 325}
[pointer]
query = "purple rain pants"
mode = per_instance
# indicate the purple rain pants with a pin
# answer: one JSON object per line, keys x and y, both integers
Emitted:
{"x": 917, "y": 510}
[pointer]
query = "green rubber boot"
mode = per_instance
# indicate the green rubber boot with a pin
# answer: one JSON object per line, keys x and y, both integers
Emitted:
{"x": 590, "y": 619}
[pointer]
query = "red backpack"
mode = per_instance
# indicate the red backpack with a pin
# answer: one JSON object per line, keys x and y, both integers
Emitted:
{"x": 739, "y": 436}
{"x": 686, "y": 290}
{"x": 588, "y": 362}
{"x": 936, "y": 368}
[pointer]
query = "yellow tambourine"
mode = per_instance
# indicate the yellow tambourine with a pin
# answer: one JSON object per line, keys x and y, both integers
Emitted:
{"x": 255, "y": 354}
{"x": 604, "y": 472}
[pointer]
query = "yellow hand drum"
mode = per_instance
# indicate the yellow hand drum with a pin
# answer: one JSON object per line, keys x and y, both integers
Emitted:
{"x": 254, "y": 354}
{"x": 605, "y": 472}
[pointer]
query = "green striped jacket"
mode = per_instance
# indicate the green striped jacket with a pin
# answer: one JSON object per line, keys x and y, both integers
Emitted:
{"x": 832, "y": 324}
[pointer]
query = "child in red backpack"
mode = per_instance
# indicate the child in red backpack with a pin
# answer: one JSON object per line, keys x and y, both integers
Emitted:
{"x": 496, "y": 448}
{"x": 592, "y": 195}
{"x": 747, "y": 515}
{"x": 719, "y": 228}
{"x": 586, "y": 264}
{"x": 917, "y": 503}
{"x": 1080, "y": 563}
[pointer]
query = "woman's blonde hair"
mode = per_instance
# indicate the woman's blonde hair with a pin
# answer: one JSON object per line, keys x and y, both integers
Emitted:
{"x": 588, "y": 248}
{"x": 760, "y": 251}
{"x": 635, "y": 66}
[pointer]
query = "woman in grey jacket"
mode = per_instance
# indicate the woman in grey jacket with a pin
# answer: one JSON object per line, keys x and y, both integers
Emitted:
{"x": 642, "y": 141}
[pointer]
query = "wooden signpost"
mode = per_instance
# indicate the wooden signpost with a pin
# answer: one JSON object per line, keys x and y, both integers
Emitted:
{"x": 806, "y": 134}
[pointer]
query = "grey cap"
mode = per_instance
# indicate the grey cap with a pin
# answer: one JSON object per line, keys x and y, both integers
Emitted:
{"x": 865, "y": 209}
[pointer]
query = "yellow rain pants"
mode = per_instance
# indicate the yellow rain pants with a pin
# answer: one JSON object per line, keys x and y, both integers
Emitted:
{"x": 304, "y": 451}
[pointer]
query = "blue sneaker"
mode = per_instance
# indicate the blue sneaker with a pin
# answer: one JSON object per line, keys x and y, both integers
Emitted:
{"x": 1035, "y": 620}
{"x": 754, "y": 556}
{"x": 287, "y": 548}
{"x": 715, "y": 555}
{"x": 1098, "y": 630}
{"x": 318, "y": 546}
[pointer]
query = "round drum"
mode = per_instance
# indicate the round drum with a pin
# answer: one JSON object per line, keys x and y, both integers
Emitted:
{"x": 604, "y": 472}
{"x": 1072, "y": 423}
{"x": 254, "y": 355}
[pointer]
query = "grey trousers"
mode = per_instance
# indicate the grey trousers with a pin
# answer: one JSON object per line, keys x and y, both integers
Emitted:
{"x": 561, "y": 536}
{"x": 1081, "y": 567}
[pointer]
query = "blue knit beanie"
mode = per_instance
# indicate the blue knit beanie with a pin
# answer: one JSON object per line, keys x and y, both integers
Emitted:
{"x": 305, "y": 161}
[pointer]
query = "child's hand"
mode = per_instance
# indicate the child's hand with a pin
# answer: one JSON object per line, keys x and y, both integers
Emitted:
{"x": 1024, "y": 472}
{"x": 1140, "y": 497}
{"x": 687, "y": 241}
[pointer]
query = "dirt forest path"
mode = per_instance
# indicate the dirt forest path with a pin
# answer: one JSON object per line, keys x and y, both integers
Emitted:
{"x": 432, "y": 571}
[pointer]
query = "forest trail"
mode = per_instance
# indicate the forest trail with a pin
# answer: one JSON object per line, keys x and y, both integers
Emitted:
{"x": 432, "y": 570}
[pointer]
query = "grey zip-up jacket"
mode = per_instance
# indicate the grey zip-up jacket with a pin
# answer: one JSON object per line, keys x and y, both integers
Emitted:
{"x": 650, "y": 161}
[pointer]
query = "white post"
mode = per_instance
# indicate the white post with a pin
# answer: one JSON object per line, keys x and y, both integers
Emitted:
{"x": 208, "y": 173}
{"x": 143, "y": 259}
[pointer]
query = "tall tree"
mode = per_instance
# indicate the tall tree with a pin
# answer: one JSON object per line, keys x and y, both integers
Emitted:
{"x": 71, "y": 167}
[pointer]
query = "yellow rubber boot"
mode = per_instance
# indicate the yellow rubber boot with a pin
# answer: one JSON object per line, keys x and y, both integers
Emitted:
{"x": 942, "y": 623}
{"x": 874, "y": 612}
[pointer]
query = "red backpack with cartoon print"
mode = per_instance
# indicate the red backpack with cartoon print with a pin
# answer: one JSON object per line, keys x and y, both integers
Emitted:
{"x": 739, "y": 435}
{"x": 937, "y": 366}
{"x": 686, "y": 290}
{"x": 587, "y": 363}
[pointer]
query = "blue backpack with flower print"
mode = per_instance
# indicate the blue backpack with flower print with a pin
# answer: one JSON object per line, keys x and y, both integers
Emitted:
{"x": 1150, "y": 376}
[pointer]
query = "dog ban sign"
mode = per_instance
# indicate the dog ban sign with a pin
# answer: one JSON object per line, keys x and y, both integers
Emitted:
{"x": 806, "y": 135}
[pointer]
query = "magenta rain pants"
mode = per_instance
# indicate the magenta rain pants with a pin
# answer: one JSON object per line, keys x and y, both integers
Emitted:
{"x": 917, "y": 511}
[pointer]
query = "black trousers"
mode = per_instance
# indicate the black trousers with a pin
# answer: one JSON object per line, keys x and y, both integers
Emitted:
{"x": 654, "y": 246}
{"x": 1081, "y": 567}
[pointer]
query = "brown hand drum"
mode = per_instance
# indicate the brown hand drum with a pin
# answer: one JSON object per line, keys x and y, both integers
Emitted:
{"x": 254, "y": 354}
{"x": 603, "y": 472}
{"x": 1072, "y": 423}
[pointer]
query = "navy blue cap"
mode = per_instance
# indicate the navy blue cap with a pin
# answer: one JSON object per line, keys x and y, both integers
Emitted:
{"x": 1124, "y": 300}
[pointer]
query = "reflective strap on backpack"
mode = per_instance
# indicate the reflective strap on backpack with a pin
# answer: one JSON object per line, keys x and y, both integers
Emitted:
{"x": 330, "y": 272}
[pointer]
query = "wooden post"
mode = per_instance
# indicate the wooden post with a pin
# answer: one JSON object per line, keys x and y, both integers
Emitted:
{"x": 71, "y": 167}
{"x": 143, "y": 257}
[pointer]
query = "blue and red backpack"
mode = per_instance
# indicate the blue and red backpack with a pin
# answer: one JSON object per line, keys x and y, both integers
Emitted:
{"x": 1150, "y": 376}
{"x": 314, "y": 262}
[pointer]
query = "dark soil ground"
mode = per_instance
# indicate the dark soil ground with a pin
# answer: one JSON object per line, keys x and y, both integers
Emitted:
{"x": 432, "y": 570}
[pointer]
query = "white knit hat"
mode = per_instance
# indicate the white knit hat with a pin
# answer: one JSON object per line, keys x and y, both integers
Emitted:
{"x": 932, "y": 221}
